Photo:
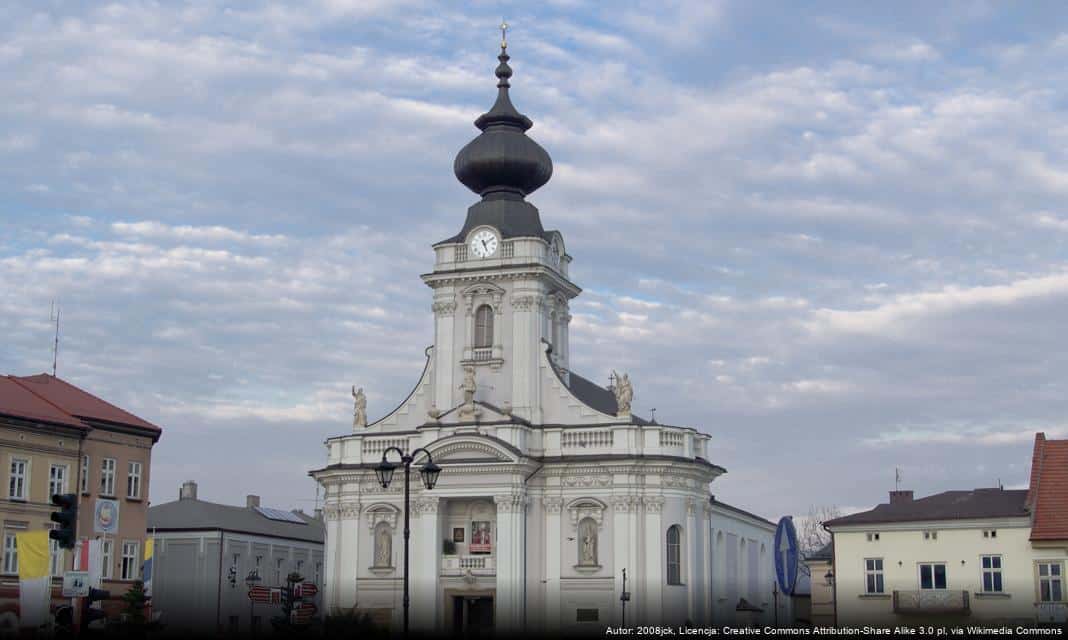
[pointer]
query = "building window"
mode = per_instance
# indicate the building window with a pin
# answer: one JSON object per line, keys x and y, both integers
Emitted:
{"x": 84, "y": 481}
{"x": 133, "y": 480}
{"x": 1050, "y": 581}
{"x": 991, "y": 574}
{"x": 107, "y": 477}
{"x": 278, "y": 571}
{"x": 587, "y": 615}
{"x": 130, "y": 564}
{"x": 484, "y": 326}
{"x": 674, "y": 554}
{"x": 930, "y": 535}
{"x": 55, "y": 558}
{"x": 873, "y": 575}
{"x": 992, "y": 533}
{"x": 106, "y": 555}
{"x": 933, "y": 575}
{"x": 16, "y": 488}
{"x": 11, "y": 554}
{"x": 57, "y": 479}
{"x": 873, "y": 537}
{"x": 318, "y": 569}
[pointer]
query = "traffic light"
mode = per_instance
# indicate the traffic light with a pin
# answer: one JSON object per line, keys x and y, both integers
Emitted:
{"x": 67, "y": 517}
{"x": 89, "y": 614}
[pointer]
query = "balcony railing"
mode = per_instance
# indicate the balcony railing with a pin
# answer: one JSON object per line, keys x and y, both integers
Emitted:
{"x": 482, "y": 354}
{"x": 377, "y": 446}
{"x": 583, "y": 439}
{"x": 460, "y": 565}
{"x": 931, "y": 601}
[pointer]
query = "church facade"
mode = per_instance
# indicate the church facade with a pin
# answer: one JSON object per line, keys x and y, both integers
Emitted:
{"x": 551, "y": 490}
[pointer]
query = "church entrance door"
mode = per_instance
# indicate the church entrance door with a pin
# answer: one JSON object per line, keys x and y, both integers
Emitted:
{"x": 472, "y": 616}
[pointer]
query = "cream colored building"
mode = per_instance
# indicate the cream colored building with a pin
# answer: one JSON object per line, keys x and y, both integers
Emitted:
{"x": 821, "y": 573}
{"x": 953, "y": 557}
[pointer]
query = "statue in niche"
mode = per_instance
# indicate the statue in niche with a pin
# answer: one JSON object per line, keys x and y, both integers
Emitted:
{"x": 469, "y": 387}
{"x": 624, "y": 394}
{"x": 383, "y": 546}
{"x": 359, "y": 408}
{"x": 588, "y": 543}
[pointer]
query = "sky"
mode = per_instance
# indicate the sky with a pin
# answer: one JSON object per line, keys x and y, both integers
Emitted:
{"x": 834, "y": 238}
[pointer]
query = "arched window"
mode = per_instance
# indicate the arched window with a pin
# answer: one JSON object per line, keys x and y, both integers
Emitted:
{"x": 674, "y": 554}
{"x": 484, "y": 326}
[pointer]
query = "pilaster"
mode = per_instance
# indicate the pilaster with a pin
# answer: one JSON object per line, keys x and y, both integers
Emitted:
{"x": 425, "y": 567}
{"x": 349, "y": 552}
{"x": 553, "y": 508}
{"x": 653, "y": 583}
{"x": 511, "y": 509}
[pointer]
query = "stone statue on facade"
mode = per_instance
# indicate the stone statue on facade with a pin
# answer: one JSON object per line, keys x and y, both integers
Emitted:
{"x": 383, "y": 544}
{"x": 469, "y": 387}
{"x": 588, "y": 544}
{"x": 624, "y": 394}
{"x": 359, "y": 408}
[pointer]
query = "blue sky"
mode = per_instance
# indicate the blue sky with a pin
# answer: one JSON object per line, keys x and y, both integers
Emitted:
{"x": 834, "y": 239}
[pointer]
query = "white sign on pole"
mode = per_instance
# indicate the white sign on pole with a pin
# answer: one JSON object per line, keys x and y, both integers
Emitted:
{"x": 75, "y": 584}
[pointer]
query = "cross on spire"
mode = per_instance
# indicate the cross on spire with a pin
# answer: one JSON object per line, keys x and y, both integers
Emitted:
{"x": 504, "y": 35}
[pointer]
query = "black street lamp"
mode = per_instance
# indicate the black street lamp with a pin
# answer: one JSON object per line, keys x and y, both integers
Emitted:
{"x": 429, "y": 472}
{"x": 624, "y": 598}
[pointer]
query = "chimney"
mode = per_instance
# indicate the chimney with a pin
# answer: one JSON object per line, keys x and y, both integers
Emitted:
{"x": 318, "y": 514}
{"x": 188, "y": 491}
{"x": 252, "y": 501}
{"x": 900, "y": 497}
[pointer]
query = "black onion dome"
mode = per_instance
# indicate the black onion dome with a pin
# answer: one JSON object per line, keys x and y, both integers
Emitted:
{"x": 502, "y": 161}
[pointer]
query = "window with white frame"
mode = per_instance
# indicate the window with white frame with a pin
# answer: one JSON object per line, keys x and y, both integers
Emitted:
{"x": 131, "y": 564}
{"x": 133, "y": 480}
{"x": 873, "y": 537}
{"x": 674, "y": 554}
{"x": 107, "y": 477}
{"x": 932, "y": 575}
{"x": 278, "y": 570}
{"x": 873, "y": 575}
{"x": 11, "y": 554}
{"x": 991, "y": 574}
{"x": 57, "y": 479}
{"x": 107, "y": 556}
{"x": 17, "y": 486}
{"x": 1050, "y": 582}
{"x": 84, "y": 480}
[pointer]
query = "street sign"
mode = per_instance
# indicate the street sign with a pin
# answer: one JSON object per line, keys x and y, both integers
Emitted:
{"x": 75, "y": 584}
{"x": 786, "y": 555}
{"x": 305, "y": 590}
{"x": 265, "y": 595}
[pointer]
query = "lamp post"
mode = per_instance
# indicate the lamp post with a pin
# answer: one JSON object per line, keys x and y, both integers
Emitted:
{"x": 624, "y": 597}
{"x": 429, "y": 472}
{"x": 251, "y": 580}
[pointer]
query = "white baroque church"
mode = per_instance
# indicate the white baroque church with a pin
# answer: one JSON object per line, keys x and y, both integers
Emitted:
{"x": 550, "y": 487}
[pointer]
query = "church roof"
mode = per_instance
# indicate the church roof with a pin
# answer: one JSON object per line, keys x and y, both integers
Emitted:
{"x": 503, "y": 165}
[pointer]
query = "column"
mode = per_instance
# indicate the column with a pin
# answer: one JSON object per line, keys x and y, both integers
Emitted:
{"x": 425, "y": 568}
{"x": 553, "y": 507}
{"x": 331, "y": 559}
{"x": 444, "y": 308}
{"x": 625, "y": 555}
{"x": 709, "y": 563}
{"x": 653, "y": 580}
{"x": 509, "y": 599}
{"x": 692, "y": 561}
{"x": 349, "y": 551}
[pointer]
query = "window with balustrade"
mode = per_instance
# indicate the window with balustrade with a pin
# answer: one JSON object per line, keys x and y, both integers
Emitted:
{"x": 484, "y": 327}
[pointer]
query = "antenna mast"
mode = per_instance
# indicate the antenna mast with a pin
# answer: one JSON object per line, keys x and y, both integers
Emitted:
{"x": 54, "y": 317}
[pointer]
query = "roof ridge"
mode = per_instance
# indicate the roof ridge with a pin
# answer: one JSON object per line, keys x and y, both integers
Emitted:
{"x": 98, "y": 399}
{"x": 17, "y": 380}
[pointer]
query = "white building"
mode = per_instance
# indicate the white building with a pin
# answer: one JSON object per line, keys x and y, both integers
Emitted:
{"x": 986, "y": 555}
{"x": 205, "y": 551}
{"x": 551, "y": 487}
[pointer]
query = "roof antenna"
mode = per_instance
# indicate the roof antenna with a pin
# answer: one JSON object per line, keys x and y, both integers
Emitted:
{"x": 897, "y": 479}
{"x": 53, "y": 316}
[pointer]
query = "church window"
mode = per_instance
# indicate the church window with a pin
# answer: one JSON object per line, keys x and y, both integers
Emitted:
{"x": 484, "y": 326}
{"x": 674, "y": 554}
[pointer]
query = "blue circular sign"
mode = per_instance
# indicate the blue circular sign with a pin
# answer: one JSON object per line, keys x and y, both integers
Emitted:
{"x": 786, "y": 555}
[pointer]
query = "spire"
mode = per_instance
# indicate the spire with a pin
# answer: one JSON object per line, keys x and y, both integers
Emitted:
{"x": 502, "y": 162}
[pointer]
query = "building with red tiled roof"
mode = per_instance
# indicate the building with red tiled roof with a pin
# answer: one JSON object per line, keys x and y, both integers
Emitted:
{"x": 58, "y": 438}
{"x": 1047, "y": 495}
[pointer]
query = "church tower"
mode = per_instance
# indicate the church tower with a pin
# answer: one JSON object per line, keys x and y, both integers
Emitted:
{"x": 501, "y": 285}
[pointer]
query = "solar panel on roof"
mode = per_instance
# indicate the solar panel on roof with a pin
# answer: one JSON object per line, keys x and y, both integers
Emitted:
{"x": 279, "y": 515}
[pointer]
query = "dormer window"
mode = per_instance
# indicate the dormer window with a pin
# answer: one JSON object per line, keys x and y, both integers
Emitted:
{"x": 484, "y": 327}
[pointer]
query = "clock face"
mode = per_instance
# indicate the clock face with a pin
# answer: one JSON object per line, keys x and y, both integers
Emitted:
{"x": 484, "y": 243}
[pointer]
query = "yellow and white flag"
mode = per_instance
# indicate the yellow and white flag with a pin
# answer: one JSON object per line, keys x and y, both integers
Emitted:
{"x": 35, "y": 583}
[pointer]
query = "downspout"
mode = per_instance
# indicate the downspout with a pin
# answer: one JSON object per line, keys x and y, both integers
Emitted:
{"x": 834, "y": 579}
{"x": 218, "y": 584}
